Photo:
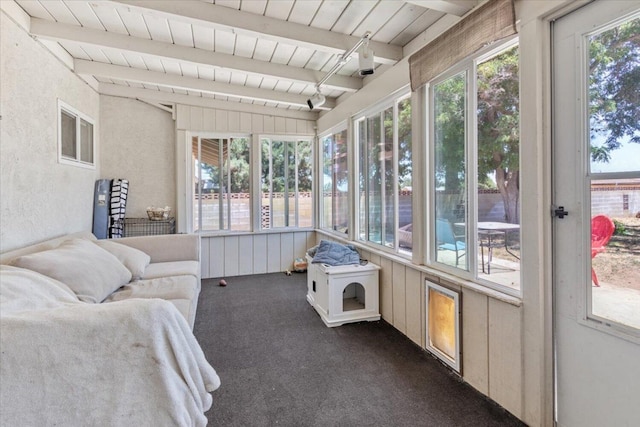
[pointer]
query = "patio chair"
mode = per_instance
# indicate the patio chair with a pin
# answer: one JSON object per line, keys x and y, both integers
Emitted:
{"x": 602, "y": 228}
{"x": 448, "y": 240}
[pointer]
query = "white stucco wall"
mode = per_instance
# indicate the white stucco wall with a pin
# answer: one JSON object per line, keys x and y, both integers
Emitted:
{"x": 40, "y": 198}
{"x": 138, "y": 144}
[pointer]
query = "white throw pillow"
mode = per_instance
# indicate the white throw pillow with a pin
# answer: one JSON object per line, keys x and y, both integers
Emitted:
{"x": 27, "y": 290}
{"x": 134, "y": 259}
{"x": 90, "y": 271}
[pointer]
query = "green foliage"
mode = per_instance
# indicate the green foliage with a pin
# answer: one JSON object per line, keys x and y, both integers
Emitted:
{"x": 499, "y": 114}
{"x": 279, "y": 157}
{"x": 614, "y": 88}
{"x": 620, "y": 228}
{"x": 449, "y": 111}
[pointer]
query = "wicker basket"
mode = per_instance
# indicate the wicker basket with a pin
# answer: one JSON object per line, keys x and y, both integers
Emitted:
{"x": 158, "y": 214}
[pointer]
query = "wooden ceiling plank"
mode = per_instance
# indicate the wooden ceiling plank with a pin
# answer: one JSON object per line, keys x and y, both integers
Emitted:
{"x": 304, "y": 11}
{"x": 353, "y": 15}
{"x": 181, "y": 33}
{"x": 60, "y": 12}
{"x": 158, "y": 28}
{"x": 61, "y": 32}
{"x": 452, "y": 7}
{"x": 84, "y": 14}
{"x": 135, "y": 24}
{"x": 261, "y": 26}
{"x": 424, "y": 21}
{"x": 110, "y": 18}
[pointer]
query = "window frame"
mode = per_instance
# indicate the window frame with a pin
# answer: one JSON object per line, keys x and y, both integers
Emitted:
{"x": 469, "y": 67}
{"x": 337, "y": 129}
{"x": 390, "y": 101}
{"x": 258, "y": 191}
{"x": 190, "y": 193}
{"x": 79, "y": 117}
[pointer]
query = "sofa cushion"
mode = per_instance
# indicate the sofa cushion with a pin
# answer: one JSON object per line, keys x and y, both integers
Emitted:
{"x": 135, "y": 260}
{"x": 178, "y": 290}
{"x": 90, "y": 271}
{"x": 26, "y": 290}
{"x": 175, "y": 268}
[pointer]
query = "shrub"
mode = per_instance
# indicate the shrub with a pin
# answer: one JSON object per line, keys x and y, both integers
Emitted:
{"x": 620, "y": 229}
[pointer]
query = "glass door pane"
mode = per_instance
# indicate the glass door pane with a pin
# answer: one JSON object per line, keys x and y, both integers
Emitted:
{"x": 614, "y": 115}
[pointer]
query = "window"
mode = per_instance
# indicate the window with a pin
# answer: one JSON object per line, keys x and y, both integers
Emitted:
{"x": 75, "y": 137}
{"x": 335, "y": 182}
{"x": 221, "y": 184}
{"x": 286, "y": 182}
{"x": 383, "y": 139}
{"x": 475, "y": 169}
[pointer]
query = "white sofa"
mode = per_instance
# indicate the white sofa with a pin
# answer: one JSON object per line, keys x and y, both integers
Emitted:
{"x": 99, "y": 332}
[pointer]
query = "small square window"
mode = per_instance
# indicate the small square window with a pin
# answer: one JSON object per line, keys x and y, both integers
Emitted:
{"x": 75, "y": 137}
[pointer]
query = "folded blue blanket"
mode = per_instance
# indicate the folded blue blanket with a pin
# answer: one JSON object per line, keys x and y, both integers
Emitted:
{"x": 333, "y": 253}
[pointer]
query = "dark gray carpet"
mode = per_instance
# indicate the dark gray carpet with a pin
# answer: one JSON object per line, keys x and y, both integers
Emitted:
{"x": 279, "y": 365}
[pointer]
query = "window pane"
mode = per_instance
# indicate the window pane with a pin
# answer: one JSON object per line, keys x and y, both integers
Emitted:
{"x": 327, "y": 182}
{"x": 405, "y": 207}
{"x": 375, "y": 176}
{"x": 614, "y": 117}
{"x": 341, "y": 179}
{"x": 286, "y": 165}
{"x": 221, "y": 184}
{"x": 68, "y": 135}
{"x": 363, "y": 174}
{"x": 498, "y": 187}
{"x": 86, "y": 141}
{"x": 304, "y": 197}
{"x": 450, "y": 171}
{"x": 237, "y": 171}
{"x": 388, "y": 187}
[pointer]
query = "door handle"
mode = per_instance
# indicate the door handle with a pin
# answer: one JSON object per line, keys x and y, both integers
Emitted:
{"x": 559, "y": 212}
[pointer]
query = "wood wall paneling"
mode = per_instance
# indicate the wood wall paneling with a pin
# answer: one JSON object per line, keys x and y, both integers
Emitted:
{"x": 399, "y": 297}
{"x": 413, "y": 305}
{"x": 259, "y": 254}
{"x": 386, "y": 289}
{"x": 257, "y": 123}
{"x": 505, "y": 351}
{"x": 273, "y": 253}
{"x": 231, "y": 256}
{"x": 269, "y": 124}
{"x": 245, "y": 255}
{"x": 475, "y": 340}
{"x": 195, "y": 117}
{"x": 222, "y": 121}
{"x": 286, "y": 251}
{"x": 209, "y": 119}
{"x": 216, "y": 256}
{"x": 234, "y": 121}
{"x": 204, "y": 258}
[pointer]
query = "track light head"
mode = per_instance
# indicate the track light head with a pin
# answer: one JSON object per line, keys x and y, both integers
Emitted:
{"x": 365, "y": 59}
{"x": 316, "y": 100}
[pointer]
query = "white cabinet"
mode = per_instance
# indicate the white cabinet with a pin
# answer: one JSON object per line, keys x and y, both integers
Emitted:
{"x": 343, "y": 294}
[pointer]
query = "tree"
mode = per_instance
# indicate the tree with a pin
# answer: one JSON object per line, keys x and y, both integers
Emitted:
{"x": 614, "y": 88}
{"x": 498, "y": 128}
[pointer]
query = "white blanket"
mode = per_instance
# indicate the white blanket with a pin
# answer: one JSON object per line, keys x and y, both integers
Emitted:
{"x": 127, "y": 363}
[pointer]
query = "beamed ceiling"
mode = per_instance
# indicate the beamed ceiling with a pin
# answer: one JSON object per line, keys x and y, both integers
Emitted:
{"x": 268, "y": 53}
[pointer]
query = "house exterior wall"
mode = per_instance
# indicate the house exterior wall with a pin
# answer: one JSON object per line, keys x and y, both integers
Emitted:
{"x": 138, "y": 144}
{"x": 40, "y": 198}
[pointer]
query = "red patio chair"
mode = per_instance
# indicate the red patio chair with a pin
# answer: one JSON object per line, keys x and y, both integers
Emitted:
{"x": 602, "y": 228}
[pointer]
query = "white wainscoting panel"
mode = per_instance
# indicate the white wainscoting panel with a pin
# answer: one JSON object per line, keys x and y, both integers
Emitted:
{"x": 399, "y": 297}
{"x": 241, "y": 255}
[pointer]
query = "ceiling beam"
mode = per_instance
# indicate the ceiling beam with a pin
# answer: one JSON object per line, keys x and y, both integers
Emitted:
{"x": 452, "y": 7}
{"x": 155, "y": 95}
{"x": 260, "y": 26}
{"x": 59, "y": 32}
{"x": 193, "y": 84}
